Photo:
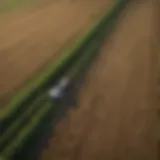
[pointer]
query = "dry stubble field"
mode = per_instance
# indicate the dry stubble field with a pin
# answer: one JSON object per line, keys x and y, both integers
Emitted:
{"x": 32, "y": 35}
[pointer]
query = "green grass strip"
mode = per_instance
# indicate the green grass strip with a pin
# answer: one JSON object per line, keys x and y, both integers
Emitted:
{"x": 18, "y": 122}
{"x": 19, "y": 140}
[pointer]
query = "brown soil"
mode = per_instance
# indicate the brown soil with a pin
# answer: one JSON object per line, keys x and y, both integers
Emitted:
{"x": 32, "y": 36}
{"x": 117, "y": 114}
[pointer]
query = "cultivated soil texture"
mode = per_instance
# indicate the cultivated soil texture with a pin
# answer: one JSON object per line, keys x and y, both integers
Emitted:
{"x": 33, "y": 35}
{"x": 116, "y": 118}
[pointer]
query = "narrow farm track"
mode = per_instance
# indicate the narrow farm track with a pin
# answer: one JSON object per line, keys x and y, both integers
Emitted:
{"x": 30, "y": 37}
{"x": 116, "y": 117}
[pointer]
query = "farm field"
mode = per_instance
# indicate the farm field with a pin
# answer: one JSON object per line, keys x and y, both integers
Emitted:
{"x": 116, "y": 118}
{"x": 31, "y": 34}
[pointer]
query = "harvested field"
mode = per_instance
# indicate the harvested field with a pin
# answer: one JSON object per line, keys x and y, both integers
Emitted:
{"x": 31, "y": 36}
{"x": 117, "y": 116}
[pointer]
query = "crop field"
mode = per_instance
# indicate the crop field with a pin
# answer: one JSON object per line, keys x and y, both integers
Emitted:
{"x": 31, "y": 34}
{"x": 114, "y": 111}
{"x": 116, "y": 116}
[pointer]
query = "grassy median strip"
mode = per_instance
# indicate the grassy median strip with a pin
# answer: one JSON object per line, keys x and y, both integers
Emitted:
{"x": 24, "y": 133}
{"x": 13, "y": 129}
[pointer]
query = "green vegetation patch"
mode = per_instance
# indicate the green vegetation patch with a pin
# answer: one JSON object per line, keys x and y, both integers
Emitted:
{"x": 10, "y": 5}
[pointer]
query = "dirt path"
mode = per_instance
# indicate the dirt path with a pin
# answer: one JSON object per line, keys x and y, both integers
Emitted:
{"x": 116, "y": 118}
{"x": 31, "y": 37}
